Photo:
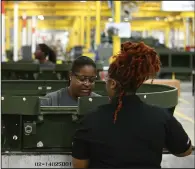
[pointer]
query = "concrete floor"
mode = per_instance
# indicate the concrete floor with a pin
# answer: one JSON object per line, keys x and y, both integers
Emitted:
{"x": 184, "y": 113}
{"x": 185, "y": 109}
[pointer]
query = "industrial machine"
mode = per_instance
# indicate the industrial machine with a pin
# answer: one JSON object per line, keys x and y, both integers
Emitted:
{"x": 30, "y": 131}
{"x": 32, "y": 71}
{"x": 179, "y": 63}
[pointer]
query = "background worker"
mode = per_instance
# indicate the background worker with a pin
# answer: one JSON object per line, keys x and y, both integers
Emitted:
{"x": 45, "y": 56}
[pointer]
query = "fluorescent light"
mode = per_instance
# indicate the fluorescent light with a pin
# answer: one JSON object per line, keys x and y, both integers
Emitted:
{"x": 41, "y": 17}
{"x": 82, "y": 1}
{"x": 157, "y": 18}
{"x": 126, "y": 19}
{"x": 110, "y": 19}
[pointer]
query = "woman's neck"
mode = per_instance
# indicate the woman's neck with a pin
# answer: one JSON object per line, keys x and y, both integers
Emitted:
{"x": 42, "y": 60}
{"x": 125, "y": 94}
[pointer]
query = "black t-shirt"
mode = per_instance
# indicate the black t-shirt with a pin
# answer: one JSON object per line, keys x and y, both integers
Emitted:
{"x": 136, "y": 139}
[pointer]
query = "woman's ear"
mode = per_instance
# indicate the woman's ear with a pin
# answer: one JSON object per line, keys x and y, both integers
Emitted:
{"x": 113, "y": 84}
{"x": 70, "y": 75}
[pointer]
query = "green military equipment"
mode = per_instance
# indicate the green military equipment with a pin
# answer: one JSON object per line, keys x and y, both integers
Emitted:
{"x": 87, "y": 104}
{"x": 100, "y": 88}
{"x": 53, "y": 85}
{"x": 20, "y": 67}
{"x": 11, "y": 132}
{"x": 51, "y": 129}
{"x": 17, "y": 70}
{"x": 180, "y": 63}
{"x": 33, "y": 71}
{"x": 159, "y": 95}
{"x": 41, "y": 87}
{"x": 63, "y": 70}
{"x": 20, "y": 105}
{"x": 23, "y": 87}
{"x": 47, "y": 75}
{"x": 152, "y": 94}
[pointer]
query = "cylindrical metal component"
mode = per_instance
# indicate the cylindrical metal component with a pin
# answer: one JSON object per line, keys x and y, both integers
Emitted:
{"x": 98, "y": 18}
{"x": 33, "y": 34}
{"x": 187, "y": 22}
{"x": 29, "y": 34}
{"x": 3, "y": 31}
{"x": 15, "y": 58}
{"x": 24, "y": 30}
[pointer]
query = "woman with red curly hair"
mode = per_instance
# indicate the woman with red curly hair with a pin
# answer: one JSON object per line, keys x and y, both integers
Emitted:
{"x": 128, "y": 133}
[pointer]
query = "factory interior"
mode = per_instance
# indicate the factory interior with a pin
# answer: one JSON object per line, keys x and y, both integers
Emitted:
{"x": 96, "y": 29}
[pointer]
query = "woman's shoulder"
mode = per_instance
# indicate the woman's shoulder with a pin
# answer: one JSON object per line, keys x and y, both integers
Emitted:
{"x": 53, "y": 97}
{"x": 159, "y": 112}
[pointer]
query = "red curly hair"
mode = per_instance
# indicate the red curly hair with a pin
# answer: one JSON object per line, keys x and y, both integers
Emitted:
{"x": 135, "y": 63}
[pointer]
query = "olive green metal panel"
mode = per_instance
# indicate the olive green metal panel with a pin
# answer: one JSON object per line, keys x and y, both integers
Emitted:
{"x": 23, "y": 87}
{"x": 54, "y": 133}
{"x": 18, "y": 66}
{"x": 100, "y": 88}
{"x": 159, "y": 95}
{"x": 153, "y": 94}
{"x": 47, "y": 110}
{"x": 99, "y": 66}
{"x": 31, "y": 71}
{"x": 47, "y": 75}
{"x": 150, "y": 93}
{"x": 86, "y": 104}
{"x": 53, "y": 85}
{"x": 63, "y": 67}
{"x": 41, "y": 87}
{"x": 68, "y": 117}
{"x": 153, "y": 88}
{"x": 177, "y": 62}
{"x": 52, "y": 128}
{"x": 22, "y": 105}
{"x": 14, "y": 66}
{"x": 31, "y": 87}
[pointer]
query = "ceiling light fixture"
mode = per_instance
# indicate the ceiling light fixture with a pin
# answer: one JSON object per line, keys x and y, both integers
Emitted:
{"x": 41, "y": 17}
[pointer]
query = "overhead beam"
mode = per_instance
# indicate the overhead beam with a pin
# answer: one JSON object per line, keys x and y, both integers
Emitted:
{"x": 136, "y": 25}
{"x": 93, "y": 23}
{"x": 146, "y": 9}
{"x": 104, "y": 13}
{"x": 56, "y": 5}
{"x": 149, "y": 6}
{"x": 187, "y": 15}
{"x": 153, "y": 14}
{"x": 133, "y": 27}
{"x": 63, "y": 13}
